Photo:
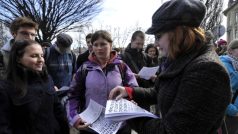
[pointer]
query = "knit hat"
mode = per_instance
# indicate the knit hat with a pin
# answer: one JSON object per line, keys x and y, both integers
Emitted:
{"x": 64, "y": 40}
{"x": 233, "y": 44}
{"x": 177, "y": 13}
{"x": 221, "y": 42}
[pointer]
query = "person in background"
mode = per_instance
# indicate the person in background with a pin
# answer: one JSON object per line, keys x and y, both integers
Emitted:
{"x": 153, "y": 54}
{"x": 117, "y": 49}
{"x": 231, "y": 63}
{"x": 102, "y": 72}
{"x": 136, "y": 59}
{"x": 84, "y": 56}
{"x": 221, "y": 47}
{"x": 209, "y": 37}
{"x": 29, "y": 104}
{"x": 192, "y": 89}
{"x": 21, "y": 28}
{"x": 61, "y": 61}
{"x": 134, "y": 56}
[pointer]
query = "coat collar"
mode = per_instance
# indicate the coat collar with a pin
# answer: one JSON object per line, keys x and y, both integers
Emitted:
{"x": 132, "y": 51}
{"x": 92, "y": 57}
{"x": 178, "y": 65}
{"x": 92, "y": 63}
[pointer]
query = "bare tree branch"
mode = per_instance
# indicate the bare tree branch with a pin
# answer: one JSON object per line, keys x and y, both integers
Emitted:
{"x": 53, "y": 16}
{"x": 213, "y": 15}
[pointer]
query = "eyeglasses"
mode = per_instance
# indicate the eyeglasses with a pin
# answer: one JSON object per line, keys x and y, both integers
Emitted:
{"x": 158, "y": 36}
{"x": 27, "y": 33}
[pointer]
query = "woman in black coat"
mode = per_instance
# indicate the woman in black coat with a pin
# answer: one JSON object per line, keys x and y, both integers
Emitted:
{"x": 192, "y": 89}
{"x": 29, "y": 104}
{"x": 153, "y": 55}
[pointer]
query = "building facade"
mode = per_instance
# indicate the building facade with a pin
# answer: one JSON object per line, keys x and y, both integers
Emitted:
{"x": 232, "y": 20}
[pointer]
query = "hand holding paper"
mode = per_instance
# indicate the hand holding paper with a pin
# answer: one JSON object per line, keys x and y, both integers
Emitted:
{"x": 108, "y": 120}
{"x": 94, "y": 114}
{"x": 81, "y": 124}
{"x": 123, "y": 109}
{"x": 147, "y": 72}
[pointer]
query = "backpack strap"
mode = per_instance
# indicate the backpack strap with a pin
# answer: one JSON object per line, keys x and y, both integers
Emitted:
{"x": 82, "y": 71}
{"x": 82, "y": 79}
{"x": 122, "y": 69}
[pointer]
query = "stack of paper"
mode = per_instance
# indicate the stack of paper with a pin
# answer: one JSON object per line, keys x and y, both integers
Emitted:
{"x": 108, "y": 120}
{"x": 123, "y": 109}
{"x": 94, "y": 114}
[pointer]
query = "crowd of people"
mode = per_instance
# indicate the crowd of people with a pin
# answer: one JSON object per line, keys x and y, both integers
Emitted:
{"x": 194, "y": 90}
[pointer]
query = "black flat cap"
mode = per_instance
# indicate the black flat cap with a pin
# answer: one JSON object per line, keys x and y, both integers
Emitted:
{"x": 177, "y": 13}
{"x": 64, "y": 39}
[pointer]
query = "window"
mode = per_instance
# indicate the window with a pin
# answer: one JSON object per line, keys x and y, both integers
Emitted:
{"x": 229, "y": 19}
{"x": 236, "y": 17}
{"x": 236, "y": 33}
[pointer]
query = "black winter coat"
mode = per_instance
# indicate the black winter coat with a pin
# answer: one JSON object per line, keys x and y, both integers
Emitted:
{"x": 81, "y": 59}
{"x": 136, "y": 60}
{"x": 138, "y": 57}
{"x": 38, "y": 112}
{"x": 192, "y": 94}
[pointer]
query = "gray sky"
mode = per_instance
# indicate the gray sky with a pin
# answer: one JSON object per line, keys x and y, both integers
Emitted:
{"x": 130, "y": 13}
{"x": 127, "y": 13}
